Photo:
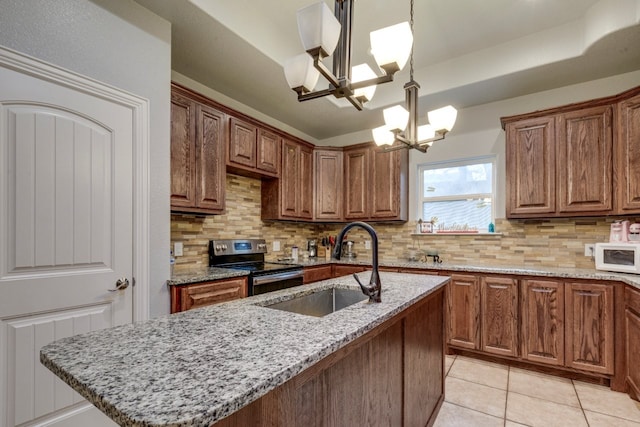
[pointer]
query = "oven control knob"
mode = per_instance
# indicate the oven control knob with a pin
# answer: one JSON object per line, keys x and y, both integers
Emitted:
{"x": 218, "y": 248}
{"x": 262, "y": 246}
{"x": 224, "y": 247}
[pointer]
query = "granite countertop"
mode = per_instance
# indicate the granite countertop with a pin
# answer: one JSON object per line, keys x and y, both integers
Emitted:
{"x": 204, "y": 274}
{"x": 196, "y": 367}
{"x": 571, "y": 273}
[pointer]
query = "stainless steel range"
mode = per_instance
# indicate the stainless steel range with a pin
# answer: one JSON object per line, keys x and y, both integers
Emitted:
{"x": 248, "y": 254}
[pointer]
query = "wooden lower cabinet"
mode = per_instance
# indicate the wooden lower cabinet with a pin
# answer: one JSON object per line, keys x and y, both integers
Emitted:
{"x": 463, "y": 311}
{"x": 392, "y": 376}
{"x": 196, "y": 295}
{"x": 344, "y": 270}
{"x": 542, "y": 303}
{"x": 589, "y": 327}
{"x": 499, "y": 311}
{"x": 632, "y": 341}
{"x": 317, "y": 273}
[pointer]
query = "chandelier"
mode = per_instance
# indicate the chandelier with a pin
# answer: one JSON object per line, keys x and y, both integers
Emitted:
{"x": 322, "y": 33}
{"x": 401, "y": 123}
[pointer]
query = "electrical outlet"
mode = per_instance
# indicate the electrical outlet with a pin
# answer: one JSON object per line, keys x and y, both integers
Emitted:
{"x": 177, "y": 249}
{"x": 276, "y": 245}
{"x": 589, "y": 249}
{"x": 367, "y": 244}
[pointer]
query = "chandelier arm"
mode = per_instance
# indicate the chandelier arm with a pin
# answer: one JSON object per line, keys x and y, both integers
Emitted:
{"x": 375, "y": 81}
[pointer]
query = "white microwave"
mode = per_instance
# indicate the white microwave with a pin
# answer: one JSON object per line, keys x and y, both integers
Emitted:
{"x": 620, "y": 257}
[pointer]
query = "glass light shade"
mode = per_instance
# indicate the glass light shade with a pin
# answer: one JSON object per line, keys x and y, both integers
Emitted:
{"x": 426, "y": 132}
{"x": 392, "y": 44}
{"x": 443, "y": 118}
{"x": 300, "y": 72}
{"x": 318, "y": 27}
{"x": 383, "y": 136}
{"x": 396, "y": 117}
{"x": 360, "y": 73}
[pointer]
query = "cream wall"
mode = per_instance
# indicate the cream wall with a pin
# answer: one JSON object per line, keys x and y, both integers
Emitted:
{"x": 120, "y": 43}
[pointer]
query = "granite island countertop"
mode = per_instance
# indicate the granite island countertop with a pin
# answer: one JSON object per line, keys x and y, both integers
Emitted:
{"x": 196, "y": 367}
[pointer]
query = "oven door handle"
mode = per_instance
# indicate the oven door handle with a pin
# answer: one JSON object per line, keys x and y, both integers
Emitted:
{"x": 271, "y": 278}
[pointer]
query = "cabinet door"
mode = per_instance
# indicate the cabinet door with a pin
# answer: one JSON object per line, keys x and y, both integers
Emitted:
{"x": 585, "y": 143}
{"x": 589, "y": 327}
{"x": 289, "y": 179}
{"x": 268, "y": 152}
{"x": 305, "y": 183}
{"x": 356, "y": 183}
{"x": 197, "y": 295}
{"x": 389, "y": 184}
{"x": 543, "y": 321}
{"x": 463, "y": 310}
{"x": 530, "y": 161}
{"x": 242, "y": 143}
{"x": 628, "y": 156}
{"x": 183, "y": 152}
{"x": 328, "y": 185}
{"x": 210, "y": 169}
{"x": 632, "y": 323}
{"x": 499, "y": 311}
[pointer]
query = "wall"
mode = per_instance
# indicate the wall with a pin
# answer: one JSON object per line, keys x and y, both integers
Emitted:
{"x": 552, "y": 243}
{"x": 122, "y": 44}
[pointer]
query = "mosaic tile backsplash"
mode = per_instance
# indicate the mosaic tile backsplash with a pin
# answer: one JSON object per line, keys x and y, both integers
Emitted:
{"x": 529, "y": 243}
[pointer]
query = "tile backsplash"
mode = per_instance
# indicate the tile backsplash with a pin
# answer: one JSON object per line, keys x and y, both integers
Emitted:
{"x": 529, "y": 243}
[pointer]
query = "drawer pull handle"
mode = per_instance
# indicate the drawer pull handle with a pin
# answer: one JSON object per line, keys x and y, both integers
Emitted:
{"x": 587, "y": 294}
{"x": 543, "y": 290}
{"x": 498, "y": 286}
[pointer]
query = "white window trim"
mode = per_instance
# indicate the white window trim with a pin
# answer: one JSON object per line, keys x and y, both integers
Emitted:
{"x": 454, "y": 163}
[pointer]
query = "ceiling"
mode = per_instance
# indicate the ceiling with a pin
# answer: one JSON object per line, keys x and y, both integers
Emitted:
{"x": 466, "y": 53}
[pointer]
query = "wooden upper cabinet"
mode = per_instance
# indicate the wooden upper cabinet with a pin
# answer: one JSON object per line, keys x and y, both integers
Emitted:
{"x": 584, "y": 160}
{"x": 565, "y": 161}
{"x": 589, "y": 327}
{"x": 210, "y": 166}
{"x": 499, "y": 311}
{"x": 542, "y": 333}
{"x": 530, "y": 162}
{"x": 291, "y": 196}
{"x": 389, "y": 181}
{"x": 183, "y": 151}
{"x": 328, "y": 167}
{"x": 253, "y": 150}
{"x": 356, "y": 178}
{"x": 627, "y": 162}
{"x": 463, "y": 311}
{"x": 198, "y": 143}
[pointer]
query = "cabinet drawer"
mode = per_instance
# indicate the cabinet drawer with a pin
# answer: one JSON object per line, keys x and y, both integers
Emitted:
{"x": 317, "y": 273}
{"x": 203, "y": 294}
{"x": 632, "y": 299}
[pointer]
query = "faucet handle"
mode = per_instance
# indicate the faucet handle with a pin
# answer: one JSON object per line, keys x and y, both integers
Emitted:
{"x": 367, "y": 290}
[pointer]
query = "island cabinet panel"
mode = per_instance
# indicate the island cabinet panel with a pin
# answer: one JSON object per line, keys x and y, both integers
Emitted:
{"x": 392, "y": 376}
{"x": 198, "y": 133}
{"x": 499, "y": 308}
{"x": 317, "y": 273}
{"x": 589, "y": 327}
{"x": 632, "y": 341}
{"x": 584, "y": 160}
{"x": 627, "y": 162}
{"x": 543, "y": 321}
{"x": 187, "y": 297}
{"x": 463, "y": 311}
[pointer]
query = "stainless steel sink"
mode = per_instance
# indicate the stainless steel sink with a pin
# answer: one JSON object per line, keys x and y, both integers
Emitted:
{"x": 321, "y": 303}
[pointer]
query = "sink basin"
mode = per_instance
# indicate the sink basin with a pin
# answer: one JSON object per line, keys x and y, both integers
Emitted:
{"x": 321, "y": 303}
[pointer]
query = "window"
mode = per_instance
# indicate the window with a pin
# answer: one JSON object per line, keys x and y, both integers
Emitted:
{"x": 459, "y": 194}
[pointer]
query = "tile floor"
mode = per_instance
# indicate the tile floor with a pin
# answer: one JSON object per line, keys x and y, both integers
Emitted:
{"x": 479, "y": 394}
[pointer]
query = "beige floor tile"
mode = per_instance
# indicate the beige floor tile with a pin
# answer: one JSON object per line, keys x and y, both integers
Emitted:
{"x": 537, "y": 412}
{"x": 448, "y": 361}
{"x": 596, "y": 419}
{"x": 601, "y": 399}
{"x": 481, "y": 372}
{"x": 455, "y": 416}
{"x": 547, "y": 387}
{"x": 475, "y": 396}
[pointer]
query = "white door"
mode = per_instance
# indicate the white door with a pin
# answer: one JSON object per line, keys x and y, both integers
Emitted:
{"x": 66, "y": 237}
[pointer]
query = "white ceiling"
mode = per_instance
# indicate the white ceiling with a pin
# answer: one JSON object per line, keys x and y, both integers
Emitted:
{"x": 467, "y": 52}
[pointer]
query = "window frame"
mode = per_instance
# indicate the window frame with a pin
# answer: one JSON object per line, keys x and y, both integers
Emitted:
{"x": 421, "y": 167}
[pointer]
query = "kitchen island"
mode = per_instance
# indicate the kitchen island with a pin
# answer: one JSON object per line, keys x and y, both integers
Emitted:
{"x": 241, "y": 363}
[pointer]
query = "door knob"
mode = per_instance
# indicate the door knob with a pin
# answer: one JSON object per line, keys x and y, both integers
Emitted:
{"x": 121, "y": 284}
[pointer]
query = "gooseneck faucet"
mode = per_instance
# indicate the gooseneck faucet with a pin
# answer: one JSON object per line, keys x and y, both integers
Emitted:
{"x": 374, "y": 289}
